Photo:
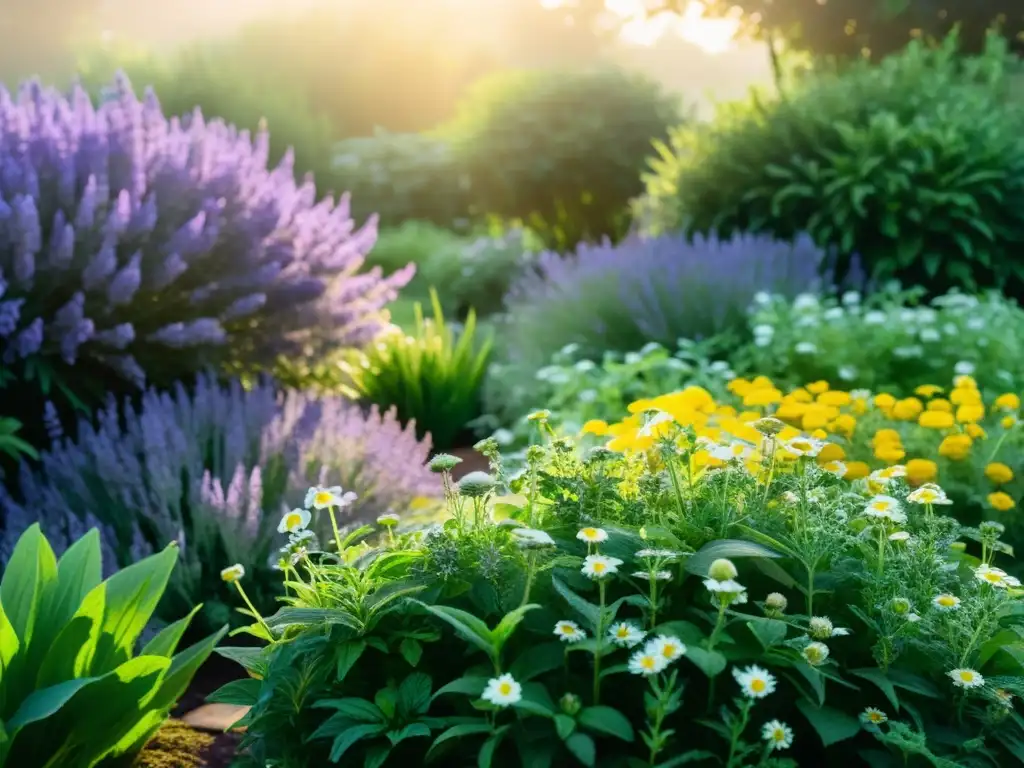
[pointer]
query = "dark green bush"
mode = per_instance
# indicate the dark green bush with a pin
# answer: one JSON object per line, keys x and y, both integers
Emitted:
{"x": 560, "y": 150}
{"x": 915, "y": 163}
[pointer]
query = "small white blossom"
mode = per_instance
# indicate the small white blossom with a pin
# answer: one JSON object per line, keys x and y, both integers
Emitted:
{"x": 929, "y": 494}
{"x": 599, "y": 566}
{"x": 946, "y": 602}
{"x": 873, "y": 716}
{"x": 569, "y": 632}
{"x": 875, "y": 317}
{"x": 804, "y": 446}
{"x": 294, "y": 521}
{"x": 530, "y": 538}
{"x": 592, "y": 535}
{"x": 657, "y": 554}
{"x": 806, "y": 348}
{"x": 966, "y": 678}
{"x": 777, "y": 734}
{"x": 626, "y": 635}
{"x": 834, "y": 313}
{"x": 656, "y": 576}
{"x": 233, "y": 573}
{"x": 319, "y": 497}
{"x": 503, "y": 691}
{"x": 899, "y": 536}
{"x": 847, "y": 372}
{"x": 669, "y": 648}
{"x": 885, "y": 507}
{"x": 755, "y": 682}
{"x": 964, "y": 368}
{"x": 815, "y": 653}
{"x": 646, "y": 664}
{"x": 995, "y": 576}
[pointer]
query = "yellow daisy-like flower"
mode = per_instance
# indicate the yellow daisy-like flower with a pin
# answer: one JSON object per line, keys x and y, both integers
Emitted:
{"x": 970, "y": 413}
{"x": 956, "y": 447}
{"x": 1001, "y": 501}
{"x": 834, "y": 397}
{"x": 936, "y": 420}
{"x": 817, "y": 387}
{"x": 998, "y": 473}
{"x": 975, "y": 431}
{"x": 928, "y": 390}
{"x": 886, "y": 436}
{"x": 855, "y": 470}
{"x": 1007, "y": 402}
{"x": 907, "y": 409}
{"x": 920, "y": 471}
{"x": 595, "y": 427}
{"x": 1008, "y": 422}
{"x": 890, "y": 453}
{"x": 939, "y": 404}
{"x": 884, "y": 401}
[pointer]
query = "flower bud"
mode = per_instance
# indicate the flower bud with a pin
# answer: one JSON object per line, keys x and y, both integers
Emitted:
{"x": 900, "y": 605}
{"x": 768, "y": 426}
{"x": 775, "y": 604}
{"x": 570, "y": 704}
{"x": 476, "y": 484}
{"x": 722, "y": 570}
{"x": 443, "y": 462}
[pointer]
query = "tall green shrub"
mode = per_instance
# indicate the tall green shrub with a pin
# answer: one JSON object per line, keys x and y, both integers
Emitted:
{"x": 915, "y": 163}
{"x": 561, "y": 150}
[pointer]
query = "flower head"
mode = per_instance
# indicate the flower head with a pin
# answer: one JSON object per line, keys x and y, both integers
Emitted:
{"x": 669, "y": 648}
{"x": 755, "y": 682}
{"x": 815, "y": 653}
{"x": 388, "y": 520}
{"x": 599, "y": 566}
{"x": 996, "y": 577}
{"x": 233, "y": 573}
{"x": 476, "y": 485}
{"x": 655, "y": 575}
{"x": 804, "y": 446}
{"x": 872, "y": 716}
{"x": 946, "y": 602}
{"x": 592, "y": 535}
{"x": 646, "y": 664}
{"x": 929, "y": 494}
{"x": 722, "y": 570}
{"x": 319, "y": 497}
{"x": 294, "y": 521}
{"x": 443, "y": 462}
{"x": 569, "y": 632}
{"x": 626, "y": 635}
{"x": 531, "y": 538}
{"x": 775, "y": 604}
{"x": 777, "y": 734}
{"x": 964, "y": 677}
{"x": 885, "y": 507}
{"x": 657, "y": 554}
{"x": 502, "y": 691}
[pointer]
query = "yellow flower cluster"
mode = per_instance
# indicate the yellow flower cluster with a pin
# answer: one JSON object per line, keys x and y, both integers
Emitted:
{"x": 935, "y": 434}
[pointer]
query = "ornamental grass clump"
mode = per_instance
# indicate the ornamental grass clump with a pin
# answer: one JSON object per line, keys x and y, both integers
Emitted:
{"x": 139, "y": 249}
{"x": 214, "y": 468}
{"x": 704, "y": 588}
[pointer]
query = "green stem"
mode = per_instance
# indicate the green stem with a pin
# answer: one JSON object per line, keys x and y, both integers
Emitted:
{"x": 654, "y": 600}
{"x": 676, "y": 487}
{"x": 334, "y": 527}
{"x": 599, "y": 643}
{"x": 881, "y": 550}
{"x": 259, "y": 618}
{"x": 810, "y": 590}
{"x": 531, "y": 564}
{"x": 737, "y": 732}
{"x": 999, "y": 444}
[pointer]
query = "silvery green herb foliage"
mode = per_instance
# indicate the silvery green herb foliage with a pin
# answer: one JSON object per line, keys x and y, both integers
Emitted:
{"x": 646, "y": 609}
{"x": 73, "y": 692}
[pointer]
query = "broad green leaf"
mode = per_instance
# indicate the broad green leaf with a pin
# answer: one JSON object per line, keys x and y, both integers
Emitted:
{"x": 71, "y": 654}
{"x": 537, "y": 660}
{"x": 360, "y": 710}
{"x": 45, "y": 702}
{"x": 606, "y": 720}
{"x": 377, "y": 754}
{"x": 242, "y": 693}
{"x": 350, "y": 736}
{"x": 508, "y": 625}
{"x": 313, "y": 617}
{"x": 769, "y": 632}
{"x": 486, "y": 753}
{"x": 251, "y": 659}
{"x": 132, "y": 595}
{"x": 182, "y": 669}
{"x": 878, "y": 677}
{"x": 414, "y": 695}
{"x": 582, "y": 748}
{"x": 831, "y": 724}
{"x": 411, "y": 731}
{"x": 711, "y": 663}
{"x": 79, "y": 570}
{"x": 465, "y": 624}
{"x": 30, "y": 571}
{"x": 469, "y": 686}
{"x": 564, "y": 726}
{"x": 584, "y": 608}
{"x": 691, "y": 756}
{"x": 908, "y": 681}
{"x": 166, "y": 640}
{"x": 347, "y": 655}
{"x": 457, "y": 732}
{"x": 701, "y": 560}
{"x": 411, "y": 650}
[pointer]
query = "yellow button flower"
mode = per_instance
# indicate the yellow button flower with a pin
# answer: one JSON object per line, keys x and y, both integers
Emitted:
{"x": 965, "y": 382}
{"x": 928, "y": 390}
{"x": 844, "y": 424}
{"x": 856, "y": 470}
{"x": 1007, "y": 402}
{"x": 889, "y": 452}
{"x": 955, "y": 447}
{"x": 975, "y": 431}
{"x": 998, "y": 473}
{"x": 758, "y": 397}
{"x": 884, "y": 401}
{"x": 940, "y": 404}
{"x": 1001, "y": 501}
{"x": 817, "y": 387}
{"x": 831, "y": 452}
{"x": 886, "y": 436}
{"x": 738, "y": 386}
{"x": 962, "y": 396}
{"x": 936, "y": 420}
{"x": 970, "y": 413}
{"x": 595, "y": 427}
{"x": 907, "y": 409}
{"x": 800, "y": 395}
{"x": 834, "y": 397}
{"x": 791, "y": 411}
{"x": 1008, "y": 422}
{"x": 921, "y": 471}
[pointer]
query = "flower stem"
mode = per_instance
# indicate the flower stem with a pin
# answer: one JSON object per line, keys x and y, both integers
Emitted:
{"x": 259, "y": 618}
{"x": 599, "y": 643}
{"x": 531, "y": 565}
{"x": 334, "y": 527}
{"x": 737, "y": 732}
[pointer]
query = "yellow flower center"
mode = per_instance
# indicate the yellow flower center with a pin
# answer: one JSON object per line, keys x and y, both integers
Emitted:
{"x": 565, "y": 629}
{"x": 874, "y": 717}
{"x": 966, "y": 675}
{"x": 599, "y": 567}
{"x": 757, "y": 685}
{"x": 622, "y": 632}
{"x": 947, "y": 600}
{"x": 881, "y": 506}
{"x": 322, "y": 497}
{"x": 779, "y": 735}
{"x": 929, "y": 496}
{"x": 994, "y": 578}
{"x": 668, "y": 651}
{"x": 505, "y": 689}
{"x": 647, "y": 662}
{"x": 292, "y": 520}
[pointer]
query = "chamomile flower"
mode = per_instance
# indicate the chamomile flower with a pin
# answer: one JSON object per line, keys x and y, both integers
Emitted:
{"x": 669, "y": 648}
{"x": 646, "y": 664}
{"x": 233, "y": 573}
{"x": 626, "y": 635}
{"x": 531, "y": 538}
{"x": 964, "y": 677}
{"x": 656, "y": 575}
{"x": 569, "y": 632}
{"x": 503, "y": 691}
{"x": 872, "y": 716}
{"x": 728, "y": 587}
{"x": 657, "y": 554}
{"x": 885, "y": 507}
{"x": 592, "y": 535}
{"x": 946, "y": 602}
{"x": 599, "y": 566}
{"x": 294, "y": 521}
{"x": 821, "y": 628}
{"x": 804, "y": 446}
{"x": 755, "y": 682}
{"x": 929, "y": 493}
{"x": 888, "y": 474}
{"x": 836, "y": 467}
{"x": 815, "y": 654}
{"x": 777, "y": 734}
{"x": 319, "y": 497}
{"x": 995, "y": 576}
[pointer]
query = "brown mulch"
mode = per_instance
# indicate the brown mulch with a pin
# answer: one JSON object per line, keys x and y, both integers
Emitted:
{"x": 471, "y": 462}
{"x": 216, "y": 672}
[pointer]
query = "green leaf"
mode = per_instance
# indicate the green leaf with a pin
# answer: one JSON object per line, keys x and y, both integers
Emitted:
{"x": 79, "y": 570}
{"x": 30, "y": 571}
{"x": 414, "y": 695}
{"x": 411, "y": 650}
{"x": 584, "y": 608}
{"x": 46, "y": 702}
{"x": 344, "y": 740}
{"x": 251, "y": 659}
{"x": 182, "y": 669}
{"x": 769, "y": 632}
{"x": 582, "y": 748}
{"x": 486, "y": 754}
{"x": 312, "y": 617}
{"x": 411, "y": 731}
{"x": 564, "y": 726}
{"x": 241, "y": 693}
{"x": 711, "y": 663}
{"x": 908, "y": 681}
{"x": 878, "y": 677}
{"x": 608, "y": 721}
{"x": 701, "y": 560}
{"x": 687, "y": 757}
{"x": 377, "y": 754}
{"x": 347, "y": 655}
{"x": 472, "y": 629}
{"x": 508, "y": 625}
{"x": 537, "y": 660}
{"x": 832, "y": 725}
{"x": 470, "y": 686}
{"x": 457, "y": 732}
{"x": 354, "y": 708}
{"x": 166, "y": 640}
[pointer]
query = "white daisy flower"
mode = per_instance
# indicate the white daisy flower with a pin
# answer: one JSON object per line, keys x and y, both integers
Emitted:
{"x": 946, "y": 602}
{"x": 850, "y": 299}
{"x": 599, "y": 566}
{"x": 503, "y": 691}
{"x": 294, "y": 521}
{"x": 873, "y": 716}
{"x": 657, "y": 554}
{"x": 626, "y": 635}
{"x": 815, "y": 653}
{"x": 836, "y": 467}
{"x": 929, "y": 493}
{"x": 569, "y": 632}
{"x": 885, "y": 507}
{"x": 821, "y": 628}
{"x": 646, "y": 664}
{"x": 964, "y": 677}
{"x": 804, "y": 446}
{"x": 669, "y": 648}
{"x": 887, "y": 474}
{"x": 899, "y": 536}
{"x": 657, "y": 575}
{"x": 875, "y": 317}
{"x": 777, "y": 734}
{"x": 531, "y": 538}
{"x": 728, "y": 586}
{"x": 233, "y": 573}
{"x": 995, "y": 576}
{"x": 592, "y": 535}
{"x": 847, "y": 372}
{"x": 319, "y": 497}
{"x": 755, "y": 682}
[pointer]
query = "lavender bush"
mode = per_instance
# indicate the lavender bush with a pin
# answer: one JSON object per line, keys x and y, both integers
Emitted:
{"x": 139, "y": 248}
{"x": 619, "y": 298}
{"x": 213, "y": 469}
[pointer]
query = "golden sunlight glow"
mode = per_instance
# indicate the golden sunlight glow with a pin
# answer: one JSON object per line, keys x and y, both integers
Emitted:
{"x": 711, "y": 35}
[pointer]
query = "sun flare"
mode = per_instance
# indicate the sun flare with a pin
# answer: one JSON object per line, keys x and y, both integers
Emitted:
{"x": 713, "y": 36}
